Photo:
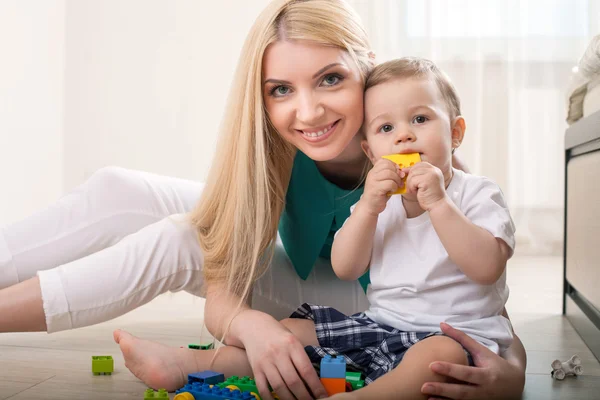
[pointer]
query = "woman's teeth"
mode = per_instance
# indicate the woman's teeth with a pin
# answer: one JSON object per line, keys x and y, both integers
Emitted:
{"x": 317, "y": 134}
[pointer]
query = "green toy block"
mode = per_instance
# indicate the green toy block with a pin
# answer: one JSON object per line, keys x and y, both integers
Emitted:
{"x": 205, "y": 346}
{"x": 102, "y": 365}
{"x": 244, "y": 384}
{"x": 152, "y": 395}
{"x": 354, "y": 379}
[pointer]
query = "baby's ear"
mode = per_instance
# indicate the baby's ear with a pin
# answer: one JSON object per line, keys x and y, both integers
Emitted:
{"x": 458, "y": 131}
{"x": 365, "y": 146}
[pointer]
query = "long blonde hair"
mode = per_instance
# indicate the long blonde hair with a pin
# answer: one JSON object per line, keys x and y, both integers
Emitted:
{"x": 244, "y": 196}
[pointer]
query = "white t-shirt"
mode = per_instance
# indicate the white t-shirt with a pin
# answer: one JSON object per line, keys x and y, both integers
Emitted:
{"x": 415, "y": 285}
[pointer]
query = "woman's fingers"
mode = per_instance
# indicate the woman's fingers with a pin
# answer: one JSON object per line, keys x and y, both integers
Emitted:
{"x": 449, "y": 390}
{"x": 476, "y": 349}
{"x": 308, "y": 374}
{"x": 462, "y": 373}
{"x": 277, "y": 384}
{"x": 262, "y": 385}
{"x": 292, "y": 380}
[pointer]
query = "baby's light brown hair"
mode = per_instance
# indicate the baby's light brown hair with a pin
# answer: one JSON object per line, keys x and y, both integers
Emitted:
{"x": 414, "y": 67}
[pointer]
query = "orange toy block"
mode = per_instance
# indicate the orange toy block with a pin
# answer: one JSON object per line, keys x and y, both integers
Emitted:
{"x": 334, "y": 385}
{"x": 403, "y": 161}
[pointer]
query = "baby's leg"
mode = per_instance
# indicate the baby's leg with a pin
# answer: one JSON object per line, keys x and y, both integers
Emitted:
{"x": 406, "y": 380}
{"x": 303, "y": 329}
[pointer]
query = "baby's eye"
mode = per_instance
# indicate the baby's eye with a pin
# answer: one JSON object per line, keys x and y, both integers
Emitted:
{"x": 420, "y": 119}
{"x": 386, "y": 128}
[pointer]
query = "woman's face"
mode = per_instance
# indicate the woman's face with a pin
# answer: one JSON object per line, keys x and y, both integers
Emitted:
{"x": 313, "y": 96}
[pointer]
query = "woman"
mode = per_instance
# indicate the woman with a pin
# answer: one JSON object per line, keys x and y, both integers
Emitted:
{"x": 299, "y": 86}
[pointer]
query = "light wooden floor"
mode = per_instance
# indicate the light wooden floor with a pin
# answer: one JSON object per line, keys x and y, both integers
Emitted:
{"x": 58, "y": 366}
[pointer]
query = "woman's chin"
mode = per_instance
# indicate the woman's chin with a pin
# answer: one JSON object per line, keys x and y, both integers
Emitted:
{"x": 329, "y": 153}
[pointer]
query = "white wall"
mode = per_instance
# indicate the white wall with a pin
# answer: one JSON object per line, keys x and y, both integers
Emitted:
{"x": 147, "y": 81}
{"x": 31, "y": 105}
{"x": 86, "y": 83}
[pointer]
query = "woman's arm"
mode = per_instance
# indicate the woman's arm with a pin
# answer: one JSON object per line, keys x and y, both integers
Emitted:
{"x": 276, "y": 356}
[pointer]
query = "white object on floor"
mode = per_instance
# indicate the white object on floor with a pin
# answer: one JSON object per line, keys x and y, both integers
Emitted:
{"x": 570, "y": 367}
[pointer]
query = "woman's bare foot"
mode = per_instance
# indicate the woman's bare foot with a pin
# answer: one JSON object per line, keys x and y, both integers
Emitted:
{"x": 157, "y": 365}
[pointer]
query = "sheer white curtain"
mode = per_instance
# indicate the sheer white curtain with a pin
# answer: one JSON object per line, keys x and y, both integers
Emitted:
{"x": 511, "y": 61}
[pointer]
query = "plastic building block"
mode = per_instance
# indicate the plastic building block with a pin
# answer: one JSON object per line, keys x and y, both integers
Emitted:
{"x": 210, "y": 377}
{"x": 333, "y": 367}
{"x": 160, "y": 394}
{"x": 354, "y": 378}
{"x": 205, "y": 346}
{"x": 403, "y": 161}
{"x": 102, "y": 365}
{"x": 184, "y": 396}
{"x": 212, "y": 392}
{"x": 244, "y": 384}
{"x": 570, "y": 367}
{"x": 334, "y": 385}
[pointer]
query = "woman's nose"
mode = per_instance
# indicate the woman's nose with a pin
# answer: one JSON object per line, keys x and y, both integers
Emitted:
{"x": 309, "y": 110}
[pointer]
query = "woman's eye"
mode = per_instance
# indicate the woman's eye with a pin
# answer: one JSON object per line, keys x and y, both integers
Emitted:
{"x": 279, "y": 91}
{"x": 386, "y": 128}
{"x": 332, "y": 80}
{"x": 419, "y": 119}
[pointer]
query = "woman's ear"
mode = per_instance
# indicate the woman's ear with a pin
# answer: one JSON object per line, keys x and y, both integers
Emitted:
{"x": 458, "y": 131}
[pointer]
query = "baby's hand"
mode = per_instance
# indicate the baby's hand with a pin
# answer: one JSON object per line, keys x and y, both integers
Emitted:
{"x": 427, "y": 181}
{"x": 384, "y": 178}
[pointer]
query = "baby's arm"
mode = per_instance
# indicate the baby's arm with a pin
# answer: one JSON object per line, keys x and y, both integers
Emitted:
{"x": 479, "y": 255}
{"x": 351, "y": 252}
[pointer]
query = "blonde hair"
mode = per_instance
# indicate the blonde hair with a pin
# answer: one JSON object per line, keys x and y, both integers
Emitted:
{"x": 413, "y": 67}
{"x": 244, "y": 196}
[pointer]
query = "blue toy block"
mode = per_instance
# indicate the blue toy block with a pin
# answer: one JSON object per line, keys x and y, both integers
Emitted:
{"x": 210, "y": 377}
{"x": 333, "y": 367}
{"x": 209, "y": 392}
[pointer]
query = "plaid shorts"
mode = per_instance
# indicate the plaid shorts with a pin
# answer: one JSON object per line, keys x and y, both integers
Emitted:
{"x": 369, "y": 347}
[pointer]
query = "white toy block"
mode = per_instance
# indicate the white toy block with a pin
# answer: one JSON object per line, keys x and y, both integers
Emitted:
{"x": 570, "y": 367}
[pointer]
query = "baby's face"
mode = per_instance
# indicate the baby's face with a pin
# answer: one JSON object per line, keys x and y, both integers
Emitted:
{"x": 408, "y": 115}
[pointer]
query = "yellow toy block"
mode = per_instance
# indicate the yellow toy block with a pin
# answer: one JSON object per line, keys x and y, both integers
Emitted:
{"x": 403, "y": 161}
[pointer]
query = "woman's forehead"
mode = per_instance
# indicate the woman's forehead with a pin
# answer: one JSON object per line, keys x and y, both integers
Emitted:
{"x": 301, "y": 57}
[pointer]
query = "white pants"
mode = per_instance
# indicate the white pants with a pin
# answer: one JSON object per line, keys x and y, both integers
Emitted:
{"x": 122, "y": 238}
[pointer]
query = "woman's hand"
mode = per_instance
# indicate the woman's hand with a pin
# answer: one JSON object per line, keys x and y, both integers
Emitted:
{"x": 278, "y": 359}
{"x": 492, "y": 378}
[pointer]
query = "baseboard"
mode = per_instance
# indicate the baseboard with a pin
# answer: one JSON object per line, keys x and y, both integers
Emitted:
{"x": 585, "y": 318}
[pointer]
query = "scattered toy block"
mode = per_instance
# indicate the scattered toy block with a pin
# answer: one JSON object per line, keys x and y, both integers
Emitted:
{"x": 334, "y": 385}
{"x": 209, "y": 377}
{"x": 152, "y": 395}
{"x": 333, "y": 367}
{"x": 102, "y": 365}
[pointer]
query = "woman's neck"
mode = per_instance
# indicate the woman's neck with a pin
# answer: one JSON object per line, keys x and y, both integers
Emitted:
{"x": 345, "y": 171}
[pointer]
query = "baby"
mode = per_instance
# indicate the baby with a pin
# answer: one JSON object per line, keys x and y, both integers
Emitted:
{"x": 436, "y": 253}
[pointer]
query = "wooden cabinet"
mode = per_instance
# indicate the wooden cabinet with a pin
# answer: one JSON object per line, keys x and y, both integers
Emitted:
{"x": 582, "y": 229}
